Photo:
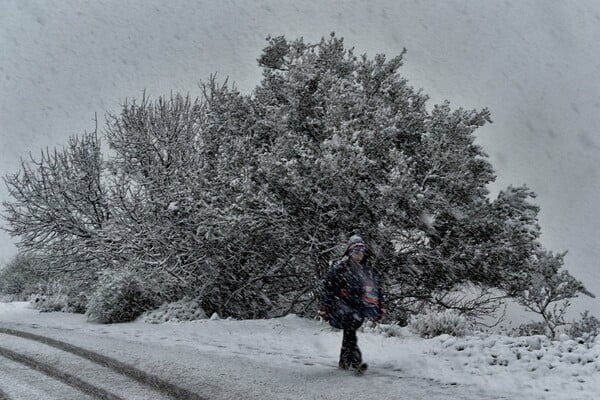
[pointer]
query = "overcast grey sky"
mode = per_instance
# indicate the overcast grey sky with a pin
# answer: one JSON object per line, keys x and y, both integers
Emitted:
{"x": 535, "y": 64}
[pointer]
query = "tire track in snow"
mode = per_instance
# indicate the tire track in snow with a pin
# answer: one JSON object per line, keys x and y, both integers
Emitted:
{"x": 20, "y": 382}
{"x": 55, "y": 373}
{"x": 145, "y": 378}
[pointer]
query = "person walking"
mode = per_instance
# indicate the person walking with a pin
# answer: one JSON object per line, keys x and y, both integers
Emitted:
{"x": 351, "y": 293}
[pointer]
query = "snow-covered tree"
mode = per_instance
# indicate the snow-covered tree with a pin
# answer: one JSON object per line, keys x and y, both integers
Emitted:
{"x": 242, "y": 200}
{"x": 156, "y": 188}
{"x": 343, "y": 144}
{"x": 60, "y": 205}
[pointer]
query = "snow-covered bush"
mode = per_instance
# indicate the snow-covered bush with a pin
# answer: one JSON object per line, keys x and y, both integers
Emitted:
{"x": 76, "y": 303}
{"x": 533, "y": 328}
{"x": 120, "y": 296}
{"x": 388, "y": 330}
{"x": 435, "y": 323}
{"x": 49, "y": 302}
{"x": 57, "y": 295}
{"x": 183, "y": 310}
{"x": 587, "y": 328}
{"x": 21, "y": 277}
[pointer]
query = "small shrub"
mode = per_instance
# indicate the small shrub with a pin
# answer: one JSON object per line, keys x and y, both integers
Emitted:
{"x": 389, "y": 330}
{"x": 49, "y": 302}
{"x": 50, "y": 297}
{"x": 59, "y": 296}
{"x": 183, "y": 310}
{"x": 120, "y": 296}
{"x": 436, "y": 323}
{"x": 76, "y": 303}
{"x": 8, "y": 298}
{"x": 587, "y": 328}
{"x": 531, "y": 329}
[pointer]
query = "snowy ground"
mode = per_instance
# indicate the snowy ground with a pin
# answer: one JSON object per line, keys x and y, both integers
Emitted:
{"x": 295, "y": 358}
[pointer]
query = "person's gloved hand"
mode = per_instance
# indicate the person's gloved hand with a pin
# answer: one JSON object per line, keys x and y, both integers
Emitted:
{"x": 324, "y": 312}
{"x": 381, "y": 314}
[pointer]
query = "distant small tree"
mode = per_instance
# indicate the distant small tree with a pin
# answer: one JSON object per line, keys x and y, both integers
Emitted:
{"x": 547, "y": 290}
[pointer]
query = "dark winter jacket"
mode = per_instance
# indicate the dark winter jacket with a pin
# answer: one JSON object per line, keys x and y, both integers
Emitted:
{"x": 351, "y": 293}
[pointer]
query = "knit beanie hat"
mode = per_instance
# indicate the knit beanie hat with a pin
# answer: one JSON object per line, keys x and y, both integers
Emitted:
{"x": 356, "y": 244}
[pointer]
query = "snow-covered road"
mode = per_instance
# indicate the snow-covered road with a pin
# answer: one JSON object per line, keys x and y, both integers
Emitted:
{"x": 213, "y": 375}
{"x": 88, "y": 372}
{"x": 286, "y": 358}
{"x": 18, "y": 381}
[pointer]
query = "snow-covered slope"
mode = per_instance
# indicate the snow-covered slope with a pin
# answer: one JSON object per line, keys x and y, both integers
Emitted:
{"x": 295, "y": 358}
{"x": 535, "y": 64}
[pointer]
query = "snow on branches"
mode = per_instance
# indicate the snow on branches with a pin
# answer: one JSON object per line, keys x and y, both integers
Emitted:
{"x": 241, "y": 200}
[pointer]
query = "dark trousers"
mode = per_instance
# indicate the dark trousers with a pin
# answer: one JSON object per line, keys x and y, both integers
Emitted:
{"x": 350, "y": 354}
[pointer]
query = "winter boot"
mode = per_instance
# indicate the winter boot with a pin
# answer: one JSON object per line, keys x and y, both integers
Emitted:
{"x": 361, "y": 368}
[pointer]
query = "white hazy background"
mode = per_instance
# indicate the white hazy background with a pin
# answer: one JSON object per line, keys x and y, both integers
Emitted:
{"x": 534, "y": 64}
